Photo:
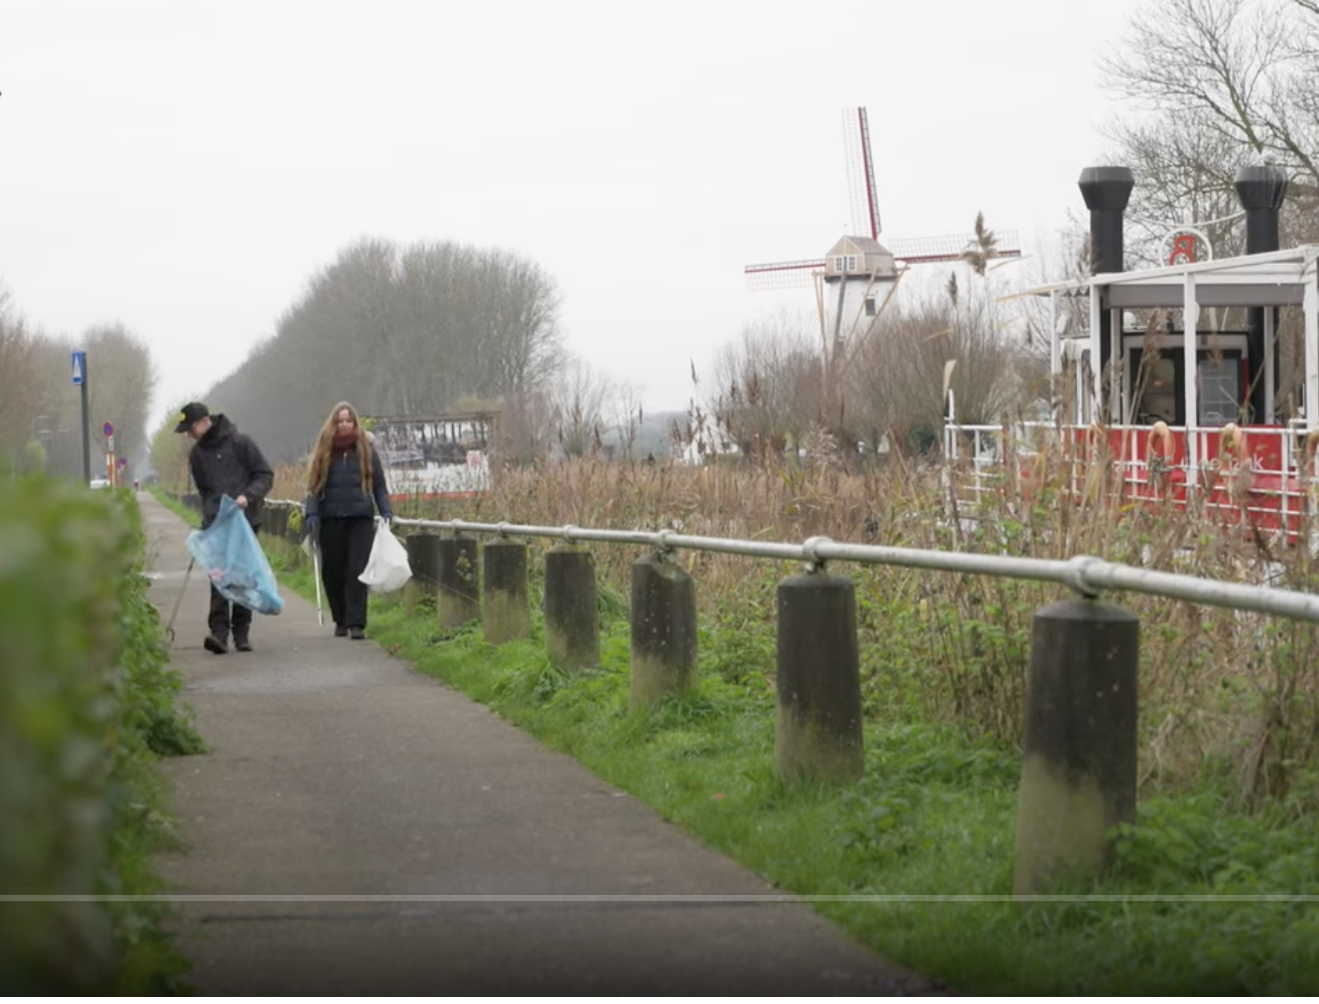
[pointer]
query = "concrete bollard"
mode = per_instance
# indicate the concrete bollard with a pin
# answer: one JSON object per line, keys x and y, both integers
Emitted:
{"x": 663, "y": 630}
{"x": 458, "y": 594}
{"x": 817, "y": 735}
{"x": 274, "y": 521}
{"x": 507, "y": 612}
{"x": 292, "y": 529}
{"x": 424, "y": 560}
{"x": 1078, "y": 777}
{"x": 572, "y": 619}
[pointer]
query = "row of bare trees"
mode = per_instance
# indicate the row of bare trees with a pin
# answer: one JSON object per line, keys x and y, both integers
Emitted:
{"x": 417, "y": 330}
{"x": 41, "y": 409}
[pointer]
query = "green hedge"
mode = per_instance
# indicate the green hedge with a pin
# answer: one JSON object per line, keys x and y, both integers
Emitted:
{"x": 87, "y": 703}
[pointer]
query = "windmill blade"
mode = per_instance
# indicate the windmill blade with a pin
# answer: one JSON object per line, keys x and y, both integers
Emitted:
{"x": 861, "y": 190}
{"x": 782, "y": 274}
{"x": 925, "y": 250}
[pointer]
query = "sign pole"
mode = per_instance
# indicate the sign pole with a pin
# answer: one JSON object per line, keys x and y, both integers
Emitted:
{"x": 80, "y": 380}
{"x": 107, "y": 430}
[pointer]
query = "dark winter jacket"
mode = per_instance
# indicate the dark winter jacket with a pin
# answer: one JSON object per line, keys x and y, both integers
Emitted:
{"x": 226, "y": 462}
{"x": 342, "y": 496}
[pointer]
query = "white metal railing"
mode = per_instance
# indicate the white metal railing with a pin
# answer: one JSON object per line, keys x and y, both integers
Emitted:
{"x": 1085, "y": 575}
{"x": 987, "y": 455}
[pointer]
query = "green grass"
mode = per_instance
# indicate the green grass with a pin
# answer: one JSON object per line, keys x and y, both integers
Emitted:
{"x": 190, "y": 516}
{"x": 915, "y": 860}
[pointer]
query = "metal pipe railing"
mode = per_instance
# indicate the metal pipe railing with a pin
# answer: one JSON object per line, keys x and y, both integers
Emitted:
{"x": 1085, "y": 575}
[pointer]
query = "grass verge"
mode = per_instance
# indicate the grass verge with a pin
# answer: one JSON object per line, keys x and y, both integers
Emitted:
{"x": 915, "y": 861}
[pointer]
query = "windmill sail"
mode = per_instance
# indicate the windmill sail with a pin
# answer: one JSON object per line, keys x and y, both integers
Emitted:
{"x": 861, "y": 190}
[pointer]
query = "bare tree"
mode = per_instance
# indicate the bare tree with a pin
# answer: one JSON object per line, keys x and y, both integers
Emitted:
{"x": 578, "y": 396}
{"x": 896, "y": 376}
{"x": 1212, "y": 85}
{"x": 398, "y": 332}
{"x": 19, "y": 392}
{"x": 768, "y": 384}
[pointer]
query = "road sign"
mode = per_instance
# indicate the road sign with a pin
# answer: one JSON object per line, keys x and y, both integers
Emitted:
{"x": 79, "y": 367}
{"x": 122, "y": 462}
{"x": 110, "y": 444}
{"x": 107, "y": 429}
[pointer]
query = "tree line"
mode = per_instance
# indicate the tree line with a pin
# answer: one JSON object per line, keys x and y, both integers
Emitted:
{"x": 41, "y": 409}
{"x": 420, "y": 330}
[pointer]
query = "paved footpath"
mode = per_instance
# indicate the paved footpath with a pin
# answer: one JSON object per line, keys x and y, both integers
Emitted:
{"x": 358, "y": 828}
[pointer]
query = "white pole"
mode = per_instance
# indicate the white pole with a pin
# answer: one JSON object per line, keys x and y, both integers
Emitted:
{"x": 1190, "y": 315}
{"x": 1117, "y": 360}
{"x": 1270, "y": 377}
{"x": 1055, "y": 340}
{"x": 1096, "y": 409}
{"x": 1311, "y": 307}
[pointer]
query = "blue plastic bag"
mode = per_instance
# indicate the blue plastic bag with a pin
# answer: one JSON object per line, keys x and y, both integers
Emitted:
{"x": 234, "y": 561}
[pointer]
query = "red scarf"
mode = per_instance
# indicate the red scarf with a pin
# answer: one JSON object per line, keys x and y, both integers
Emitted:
{"x": 343, "y": 442}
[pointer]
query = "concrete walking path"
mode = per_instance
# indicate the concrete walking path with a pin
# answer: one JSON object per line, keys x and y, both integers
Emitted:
{"x": 358, "y": 828}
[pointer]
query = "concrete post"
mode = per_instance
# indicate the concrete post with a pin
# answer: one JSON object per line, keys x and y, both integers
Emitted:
{"x": 1078, "y": 777}
{"x": 817, "y": 735}
{"x": 663, "y": 630}
{"x": 288, "y": 525}
{"x": 275, "y": 521}
{"x": 458, "y": 589}
{"x": 507, "y": 612}
{"x": 424, "y": 560}
{"x": 572, "y": 620}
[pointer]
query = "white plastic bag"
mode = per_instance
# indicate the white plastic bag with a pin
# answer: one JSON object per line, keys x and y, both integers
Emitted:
{"x": 387, "y": 568}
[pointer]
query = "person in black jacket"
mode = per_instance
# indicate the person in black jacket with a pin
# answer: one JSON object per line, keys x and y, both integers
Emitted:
{"x": 224, "y": 462}
{"x": 346, "y": 487}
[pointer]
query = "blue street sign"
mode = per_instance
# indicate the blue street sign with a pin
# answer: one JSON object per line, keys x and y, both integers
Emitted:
{"x": 107, "y": 429}
{"x": 79, "y": 367}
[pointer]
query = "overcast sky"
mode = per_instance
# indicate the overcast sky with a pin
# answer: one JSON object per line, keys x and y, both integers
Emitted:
{"x": 185, "y": 167}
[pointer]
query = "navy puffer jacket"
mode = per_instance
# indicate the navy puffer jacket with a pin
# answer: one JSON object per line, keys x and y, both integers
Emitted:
{"x": 342, "y": 497}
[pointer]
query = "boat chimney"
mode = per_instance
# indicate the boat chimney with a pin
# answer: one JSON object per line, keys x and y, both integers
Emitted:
{"x": 1106, "y": 191}
{"x": 1261, "y": 189}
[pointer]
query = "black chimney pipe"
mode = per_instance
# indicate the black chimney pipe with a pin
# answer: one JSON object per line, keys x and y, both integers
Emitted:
{"x": 1261, "y": 189}
{"x": 1106, "y": 191}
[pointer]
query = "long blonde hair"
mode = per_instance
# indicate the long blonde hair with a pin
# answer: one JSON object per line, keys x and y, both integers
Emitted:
{"x": 318, "y": 470}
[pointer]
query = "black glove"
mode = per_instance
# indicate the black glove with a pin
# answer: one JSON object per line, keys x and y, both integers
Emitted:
{"x": 313, "y": 525}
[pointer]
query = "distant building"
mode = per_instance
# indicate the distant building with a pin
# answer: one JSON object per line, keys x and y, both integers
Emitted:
{"x": 436, "y": 455}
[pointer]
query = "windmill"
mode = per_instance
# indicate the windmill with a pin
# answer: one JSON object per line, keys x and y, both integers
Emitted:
{"x": 865, "y": 271}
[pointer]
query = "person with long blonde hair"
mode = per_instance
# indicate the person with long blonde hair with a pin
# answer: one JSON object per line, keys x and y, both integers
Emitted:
{"x": 345, "y": 488}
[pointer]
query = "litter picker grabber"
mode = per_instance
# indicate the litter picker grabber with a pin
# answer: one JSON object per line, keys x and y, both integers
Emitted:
{"x": 169, "y": 628}
{"x": 316, "y": 571}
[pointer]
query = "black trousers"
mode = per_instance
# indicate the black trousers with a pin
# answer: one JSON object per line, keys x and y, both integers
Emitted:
{"x": 225, "y": 615}
{"x": 345, "y": 546}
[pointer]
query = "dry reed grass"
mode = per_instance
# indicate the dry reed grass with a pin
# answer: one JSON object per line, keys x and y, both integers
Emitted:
{"x": 1226, "y": 697}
